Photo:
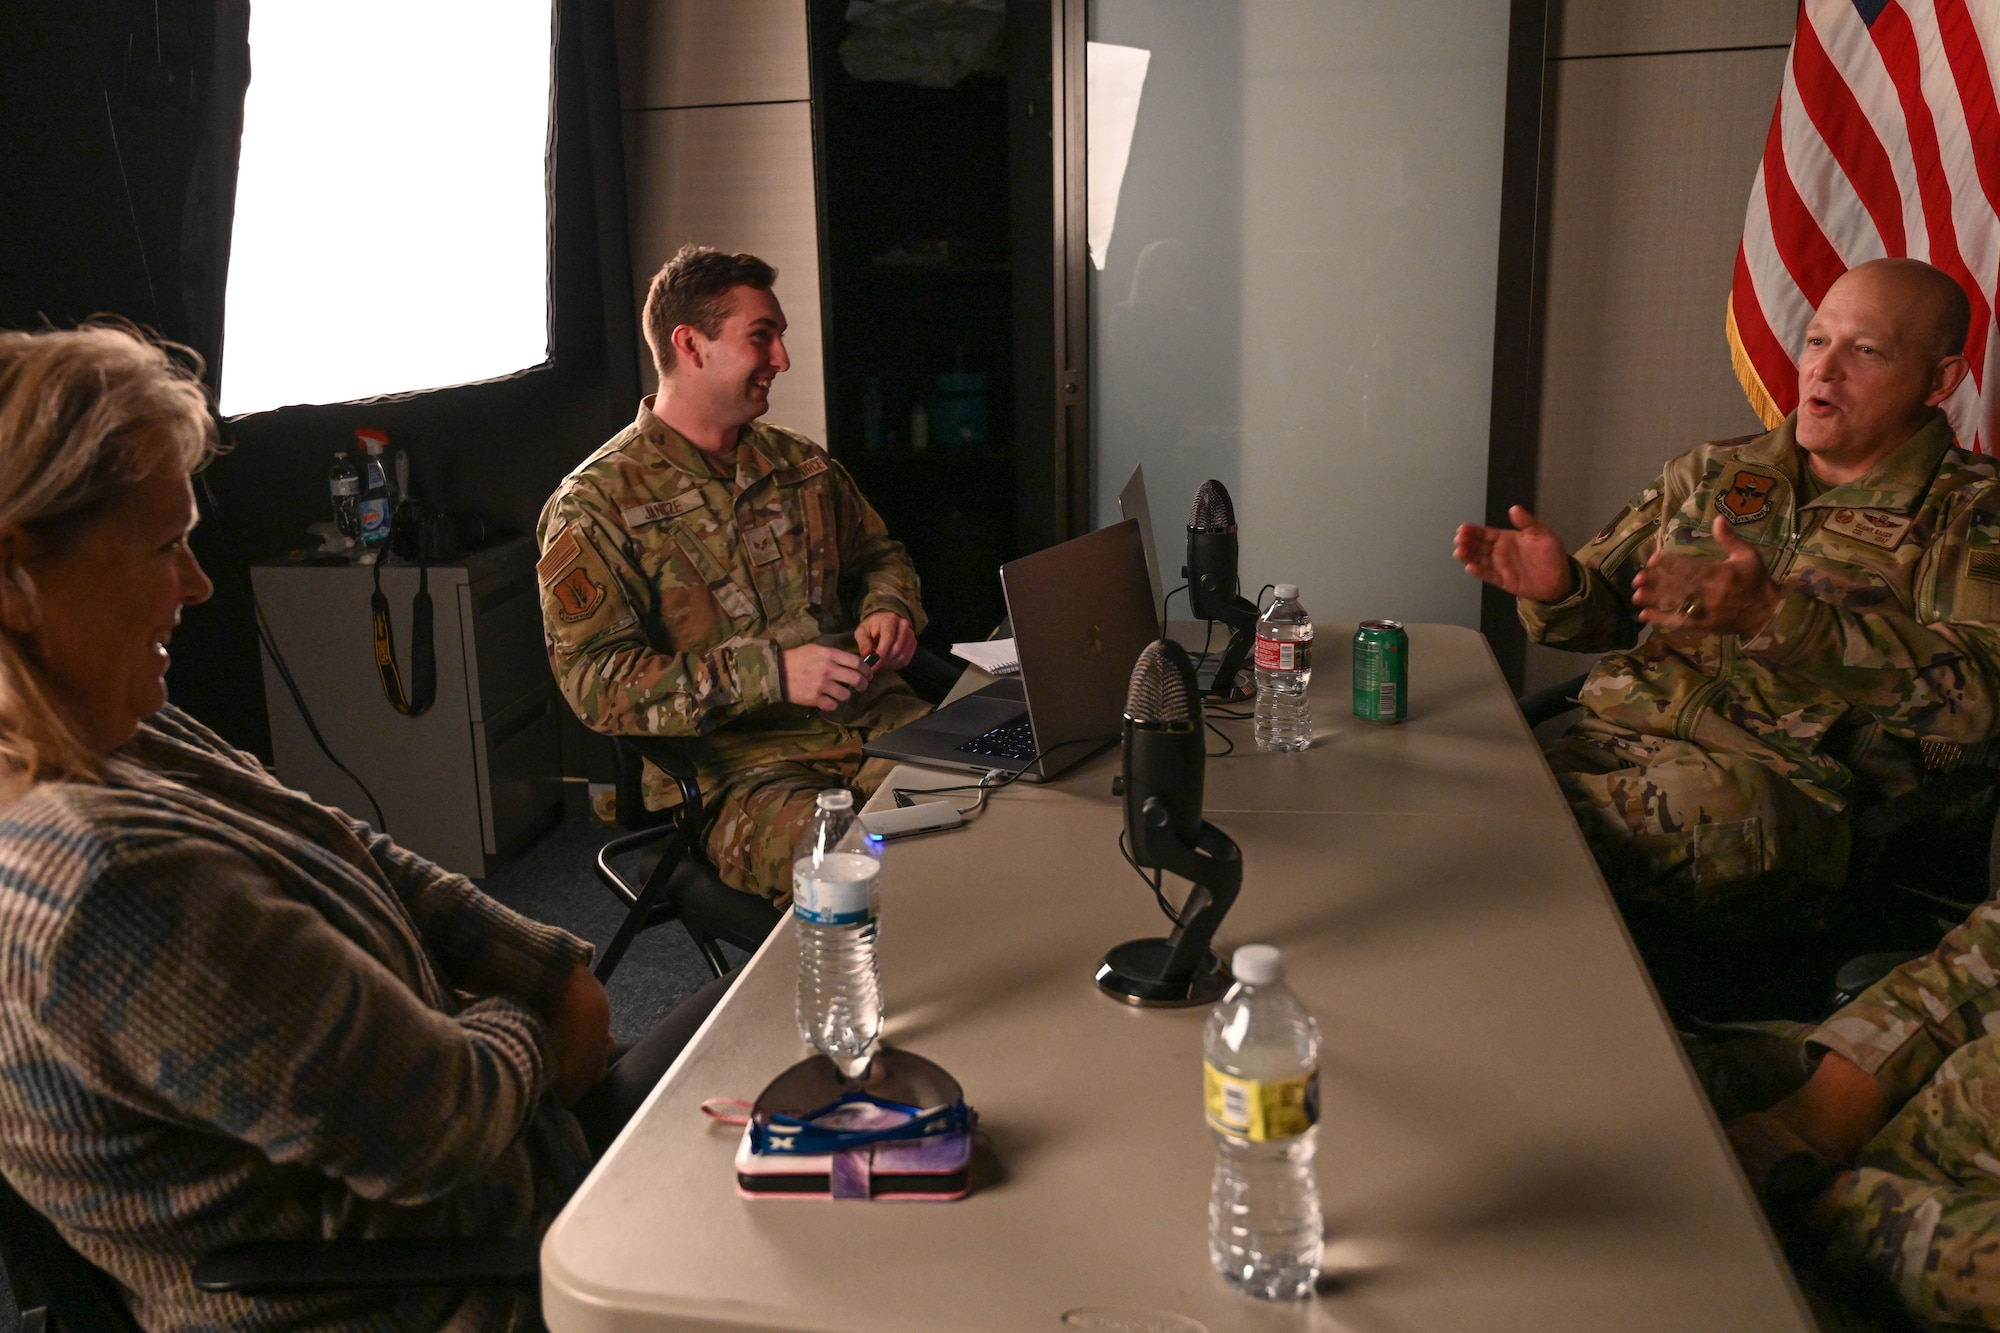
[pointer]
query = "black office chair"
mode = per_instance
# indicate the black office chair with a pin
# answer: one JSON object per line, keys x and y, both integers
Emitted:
{"x": 678, "y": 884}
{"x": 59, "y": 1291}
{"x": 1919, "y": 865}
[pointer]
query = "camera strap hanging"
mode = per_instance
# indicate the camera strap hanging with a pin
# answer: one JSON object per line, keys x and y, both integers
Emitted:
{"x": 423, "y": 652}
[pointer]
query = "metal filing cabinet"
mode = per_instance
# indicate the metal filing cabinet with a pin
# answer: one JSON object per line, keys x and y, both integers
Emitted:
{"x": 476, "y": 775}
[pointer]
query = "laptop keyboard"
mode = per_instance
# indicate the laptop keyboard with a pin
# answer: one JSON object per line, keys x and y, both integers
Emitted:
{"x": 1013, "y": 740}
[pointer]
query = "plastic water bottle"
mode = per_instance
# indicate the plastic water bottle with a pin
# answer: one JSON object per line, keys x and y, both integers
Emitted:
{"x": 343, "y": 483}
{"x": 1261, "y": 1085}
{"x": 837, "y": 900}
{"x": 1284, "y": 669}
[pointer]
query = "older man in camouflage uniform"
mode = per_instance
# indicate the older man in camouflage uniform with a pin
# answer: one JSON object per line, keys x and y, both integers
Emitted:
{"x": 705, "y": 575}
{"x": 1823, "y": 600}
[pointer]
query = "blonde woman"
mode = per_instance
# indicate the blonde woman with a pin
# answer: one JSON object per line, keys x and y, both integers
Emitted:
{"x": 228, "y": 1013}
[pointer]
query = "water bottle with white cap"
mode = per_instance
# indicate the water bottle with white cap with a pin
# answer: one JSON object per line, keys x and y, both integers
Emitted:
{"x": 1282, "y": 716}
{"x": 1261, "y": 1085}
{"x": 836, "y": 902}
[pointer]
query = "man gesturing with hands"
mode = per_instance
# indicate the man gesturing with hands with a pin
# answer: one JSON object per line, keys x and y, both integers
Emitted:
{"x": 709, "y": 576}
{"x": 1787, "y": 620}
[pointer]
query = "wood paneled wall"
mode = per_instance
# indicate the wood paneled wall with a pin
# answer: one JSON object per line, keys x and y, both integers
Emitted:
{"x": 717, "y": 102}
{"x": 1660, "y": 109}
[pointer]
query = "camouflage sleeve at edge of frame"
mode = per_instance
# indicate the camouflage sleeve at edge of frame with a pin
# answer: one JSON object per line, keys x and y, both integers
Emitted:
{"x": 1904, "y": 1027}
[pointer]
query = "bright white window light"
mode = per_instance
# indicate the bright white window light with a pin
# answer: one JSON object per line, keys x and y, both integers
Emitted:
{"x": 391, "y": 200}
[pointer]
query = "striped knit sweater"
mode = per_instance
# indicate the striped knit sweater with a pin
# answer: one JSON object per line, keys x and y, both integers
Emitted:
{"x": 228, "y": 1013}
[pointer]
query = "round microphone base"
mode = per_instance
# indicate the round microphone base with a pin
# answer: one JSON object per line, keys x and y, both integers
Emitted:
{"x": 1132, "y": 973}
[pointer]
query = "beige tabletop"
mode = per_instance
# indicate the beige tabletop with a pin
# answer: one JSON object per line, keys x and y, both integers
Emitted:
{"x": 1510, "y": 1137}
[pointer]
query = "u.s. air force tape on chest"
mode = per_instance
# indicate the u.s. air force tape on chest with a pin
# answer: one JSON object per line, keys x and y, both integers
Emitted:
{"x": 686, "y": 502}
{"x": 1877, "y": 527}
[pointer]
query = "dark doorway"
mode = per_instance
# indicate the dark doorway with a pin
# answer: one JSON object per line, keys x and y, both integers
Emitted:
{"x": 918, "y": 261}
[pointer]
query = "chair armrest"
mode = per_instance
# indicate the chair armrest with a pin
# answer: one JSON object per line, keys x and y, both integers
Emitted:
{"x": 389, "y": 1264}
{"x": 1553, "y": 702}
{"x": 672, "y": 757}
{"x": 1938, "y": 792}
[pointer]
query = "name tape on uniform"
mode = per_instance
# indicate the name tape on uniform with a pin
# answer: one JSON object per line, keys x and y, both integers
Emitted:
{"x": 686, "y": 501}
{"x": 1877, "y": 527}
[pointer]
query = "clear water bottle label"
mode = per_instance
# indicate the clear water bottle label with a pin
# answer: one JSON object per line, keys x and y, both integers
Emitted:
{"x": 836, "y": 891}
{"x": 1261, "y": 1112}
{"x": 346, "y": 485}
{"x": 1284, "y": 654}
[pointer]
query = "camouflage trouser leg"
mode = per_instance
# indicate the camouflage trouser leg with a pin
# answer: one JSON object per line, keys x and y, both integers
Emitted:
{"x": 1715, "y": 840}
{"x": 1922, "y": 1212}
{"x": 753, "y": 822}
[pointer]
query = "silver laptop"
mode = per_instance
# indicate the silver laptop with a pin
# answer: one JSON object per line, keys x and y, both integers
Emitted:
{"x": 1082, "y": 612}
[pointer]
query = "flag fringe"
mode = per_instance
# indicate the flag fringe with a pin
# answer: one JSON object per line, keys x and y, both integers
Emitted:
{"x": 1746, "y": 371}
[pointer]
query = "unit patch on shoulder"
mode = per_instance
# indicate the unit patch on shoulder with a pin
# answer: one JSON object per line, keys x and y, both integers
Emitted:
{"x": 562, "y": 550}
{"x": 578, "y": 594}
{"x": 1748, "y": 497}
{"x": 688, "y": 500}
{"x": 1877, "y": 527}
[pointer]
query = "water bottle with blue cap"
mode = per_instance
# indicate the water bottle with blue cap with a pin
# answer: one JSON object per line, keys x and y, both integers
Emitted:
{"x": 836, "y": 900}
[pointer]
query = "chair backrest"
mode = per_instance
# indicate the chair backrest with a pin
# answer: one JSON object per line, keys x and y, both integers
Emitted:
{"x": 46, "y": 1274}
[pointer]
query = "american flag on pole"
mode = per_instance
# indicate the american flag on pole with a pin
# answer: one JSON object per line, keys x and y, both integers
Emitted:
{"x": 1886, "y": 141}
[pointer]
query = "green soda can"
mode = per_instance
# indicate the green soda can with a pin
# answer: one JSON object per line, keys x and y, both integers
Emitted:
{"x": 1381, "y": 672}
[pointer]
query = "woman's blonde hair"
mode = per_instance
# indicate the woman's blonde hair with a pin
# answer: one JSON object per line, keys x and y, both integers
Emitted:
{"x": 85, "y": 415}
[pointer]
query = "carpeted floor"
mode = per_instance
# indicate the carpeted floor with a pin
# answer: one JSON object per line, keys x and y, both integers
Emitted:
{"x": 555, "y": 880}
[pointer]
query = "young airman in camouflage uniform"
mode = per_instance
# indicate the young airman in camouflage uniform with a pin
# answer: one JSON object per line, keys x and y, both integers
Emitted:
{"x": 725, "y": 594}
{"x": 1823, "y": 600}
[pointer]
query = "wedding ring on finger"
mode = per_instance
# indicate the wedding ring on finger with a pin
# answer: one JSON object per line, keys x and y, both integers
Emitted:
{"x": 1692, "y": 607}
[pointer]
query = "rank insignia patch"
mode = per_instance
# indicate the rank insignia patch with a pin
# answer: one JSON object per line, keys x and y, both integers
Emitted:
{"x": 578, "y": 595}
{"x": 1748, "y": 497}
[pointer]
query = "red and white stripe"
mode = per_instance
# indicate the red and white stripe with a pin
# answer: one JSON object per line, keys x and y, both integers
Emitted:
{"x": 1885, "y": 141}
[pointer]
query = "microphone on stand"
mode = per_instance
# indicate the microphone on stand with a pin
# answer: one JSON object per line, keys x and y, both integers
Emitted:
{"x": 1165, "y": 757}
{"x": 1212, "y": 581}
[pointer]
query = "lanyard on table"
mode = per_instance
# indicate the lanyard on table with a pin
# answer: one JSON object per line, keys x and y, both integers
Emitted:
{"x": 423, "y": 654}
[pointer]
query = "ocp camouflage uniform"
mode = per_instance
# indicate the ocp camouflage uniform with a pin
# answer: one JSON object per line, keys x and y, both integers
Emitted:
{"x": 672, "y": 584}
{"x": 1921, "y": 1211}
{"x": 1713, "y": 774}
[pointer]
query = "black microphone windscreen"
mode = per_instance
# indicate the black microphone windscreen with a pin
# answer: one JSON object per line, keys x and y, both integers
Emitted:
{"x": 1164, "y": 691}
{"x": 1212, "y": 510}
